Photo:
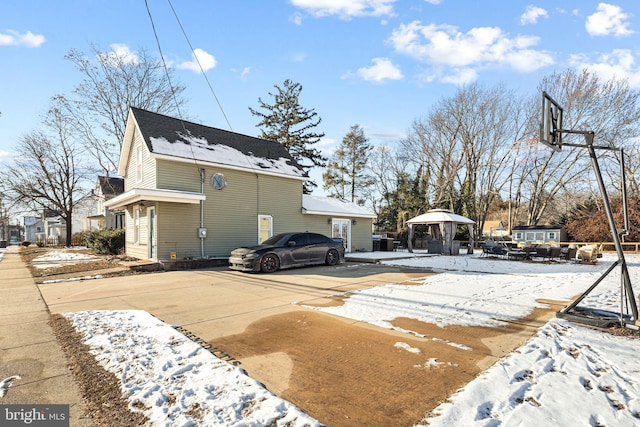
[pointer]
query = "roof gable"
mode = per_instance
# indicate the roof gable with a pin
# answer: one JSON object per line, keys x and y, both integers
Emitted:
{"x": 168, "y": 136}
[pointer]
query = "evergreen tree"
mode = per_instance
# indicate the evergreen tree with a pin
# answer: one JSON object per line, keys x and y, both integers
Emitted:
{"x": 292, "y": 126}
{"x": 346, "y": 176}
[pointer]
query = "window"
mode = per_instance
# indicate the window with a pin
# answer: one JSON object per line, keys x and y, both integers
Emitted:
{"x": 136, "y": 225}
{"x": 139, "y": 163}
{"x": 265, "y": 227}
{"x": 552, "y": 235}
{"x": 299, "y": 239}
{"x": 519, "y": 235}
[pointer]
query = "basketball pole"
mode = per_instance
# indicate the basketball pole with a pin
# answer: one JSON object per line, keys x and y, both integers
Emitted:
{"x": 625, "y": 286}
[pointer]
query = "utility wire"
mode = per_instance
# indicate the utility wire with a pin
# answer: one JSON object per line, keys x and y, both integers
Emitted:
{"x": 200, "y": 65}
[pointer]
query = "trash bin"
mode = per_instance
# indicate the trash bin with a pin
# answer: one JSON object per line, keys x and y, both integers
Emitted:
{"x": 3, "y": 243}
{"x": 376, "y": 245}
{"x": 389, "y": 245}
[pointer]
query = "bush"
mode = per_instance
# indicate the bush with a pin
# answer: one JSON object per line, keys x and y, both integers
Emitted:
{"x": 39, "y": 243}
{"x": 25, "y": 243}
{"x": 108, "y": 241}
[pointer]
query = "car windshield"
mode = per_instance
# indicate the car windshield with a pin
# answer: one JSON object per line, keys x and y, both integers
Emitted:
{"x": 277, "y": 240}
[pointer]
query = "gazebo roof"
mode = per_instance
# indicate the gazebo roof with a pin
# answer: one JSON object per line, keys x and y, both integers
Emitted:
{"x": 437, "y": 216}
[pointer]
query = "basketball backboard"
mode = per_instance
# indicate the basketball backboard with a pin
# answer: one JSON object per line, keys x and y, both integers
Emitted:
{"x": 551, "y": 124}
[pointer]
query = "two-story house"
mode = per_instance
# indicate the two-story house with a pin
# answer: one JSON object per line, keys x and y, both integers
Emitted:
{"x": 193, "y": 191}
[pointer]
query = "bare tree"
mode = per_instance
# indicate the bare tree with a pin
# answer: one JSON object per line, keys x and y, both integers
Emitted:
{"x": 113, "y": 81}
{"x": 608, "y": 108}
{"x": 47, "y": 172}
{"x": 464, "y": 147}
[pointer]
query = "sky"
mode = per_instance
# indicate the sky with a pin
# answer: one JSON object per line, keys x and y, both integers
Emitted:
{"x": 376, "y": 63}
{"x": 564, "y": 375}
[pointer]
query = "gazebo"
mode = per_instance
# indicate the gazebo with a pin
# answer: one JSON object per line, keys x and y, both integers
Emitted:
{"x": 442, "y": 225}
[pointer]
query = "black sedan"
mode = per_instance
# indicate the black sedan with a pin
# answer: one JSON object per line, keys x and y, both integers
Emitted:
{"x": 288, "y": 250}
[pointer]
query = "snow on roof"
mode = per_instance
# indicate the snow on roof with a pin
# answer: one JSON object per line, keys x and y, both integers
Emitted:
{"x": 316, "y": 205}
{"x": 436, "y": 216}
{"x": 178, "y": 138}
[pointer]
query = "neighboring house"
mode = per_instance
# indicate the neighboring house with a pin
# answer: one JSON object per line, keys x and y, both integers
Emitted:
{"x": 54, "y": 229}
{"x": 539, "y": 234}
{"x": 33, "y": 227}
{"x": 494, "y": 229}
{"x": 100, "y": 216}
{"x": 193, "y": 191}
{"x": 15, "y": 233}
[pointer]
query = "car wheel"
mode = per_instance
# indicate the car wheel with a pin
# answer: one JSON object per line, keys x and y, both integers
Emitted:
{"x": 332, "y": 257}
{"x": 269, "y": 263}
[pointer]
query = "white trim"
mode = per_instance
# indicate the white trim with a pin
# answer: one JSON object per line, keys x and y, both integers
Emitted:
{"x": 152, "y": 233}
{"x": 136, "y": 225}
{"x": 346, "y": 221}
{"x": 351, "y": 215}
{"x": 260, "y": 218}
{"x": 138, "y": 195}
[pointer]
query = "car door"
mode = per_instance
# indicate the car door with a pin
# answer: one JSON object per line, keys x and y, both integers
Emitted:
{"x": 317, "y": 248}
{"x": 298, "y": 250}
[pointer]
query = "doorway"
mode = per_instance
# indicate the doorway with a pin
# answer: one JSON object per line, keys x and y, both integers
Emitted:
{"x": 342, "y": 228}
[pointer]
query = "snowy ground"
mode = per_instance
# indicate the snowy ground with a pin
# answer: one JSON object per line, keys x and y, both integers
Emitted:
{"x": 565, "y": 375}
{"x": 59, "y": 257}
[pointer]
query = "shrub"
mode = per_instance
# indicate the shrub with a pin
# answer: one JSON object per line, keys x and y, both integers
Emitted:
{"x": 25, "y": 243}
{"x": 39, "y": 243}
{"x": 107, "y": 241}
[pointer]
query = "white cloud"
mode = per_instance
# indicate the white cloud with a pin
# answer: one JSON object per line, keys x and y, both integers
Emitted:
{"x": 443, "y": 46}
{"x": 28, "y": 39}
{"x": 346, "y": 9}
{"x": 202, "y": 61}
{"x": 381, "y": 70}
{"x": 619, "y": 64}
{"x": 296, "y": 19}
{"x": 120, "y": 53}
{"x": 434, "y": 1}
{"x": 609, "y": 19}
{"x": 532, "y": 14}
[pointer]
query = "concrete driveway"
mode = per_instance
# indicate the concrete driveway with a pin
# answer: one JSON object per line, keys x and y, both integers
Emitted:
{"x": 218, "y": 302}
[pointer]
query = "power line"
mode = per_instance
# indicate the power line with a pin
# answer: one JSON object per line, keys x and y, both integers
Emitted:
{"x": 200, "y": 65}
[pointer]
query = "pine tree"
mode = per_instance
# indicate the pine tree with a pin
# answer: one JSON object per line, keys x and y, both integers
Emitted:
{"x": 291, "y": 125}
{"x": 346, "y": 175}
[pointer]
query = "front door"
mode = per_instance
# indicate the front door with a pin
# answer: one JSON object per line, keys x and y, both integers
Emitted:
{"x": 341, "y": 228}
{"x": 153, "y": 246}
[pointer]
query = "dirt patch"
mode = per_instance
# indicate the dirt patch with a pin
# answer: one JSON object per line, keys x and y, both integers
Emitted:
{"x": 100, "y": 389}
{"x": 351, "y": 374}
{"x": 105, "y": 265}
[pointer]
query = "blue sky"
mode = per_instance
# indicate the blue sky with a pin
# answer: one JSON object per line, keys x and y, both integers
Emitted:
{"x": 376, "y": 63}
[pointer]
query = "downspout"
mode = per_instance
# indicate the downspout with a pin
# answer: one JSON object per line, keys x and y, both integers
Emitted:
{"x": 202, "y": 178}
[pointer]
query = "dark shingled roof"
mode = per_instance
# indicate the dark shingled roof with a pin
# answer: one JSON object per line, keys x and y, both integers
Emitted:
{"x": 111, "y": 186}
{"x": 169, "y": 131}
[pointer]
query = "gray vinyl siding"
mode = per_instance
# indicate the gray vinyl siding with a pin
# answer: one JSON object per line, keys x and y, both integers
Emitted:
{"x": 177, "y": 230}
{"x": 230, "y": 214}
{"x": 148, "y": 166}
{"x": 139, "y": 250}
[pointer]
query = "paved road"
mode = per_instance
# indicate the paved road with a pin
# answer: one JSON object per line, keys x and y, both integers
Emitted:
{"x": 218, "y": 302}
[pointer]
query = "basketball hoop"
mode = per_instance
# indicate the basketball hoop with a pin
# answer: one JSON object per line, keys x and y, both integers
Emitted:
{"x": 551, "y": 124}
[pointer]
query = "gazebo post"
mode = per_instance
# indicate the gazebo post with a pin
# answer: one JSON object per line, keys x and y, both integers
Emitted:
{"x": 409, "y": 238}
